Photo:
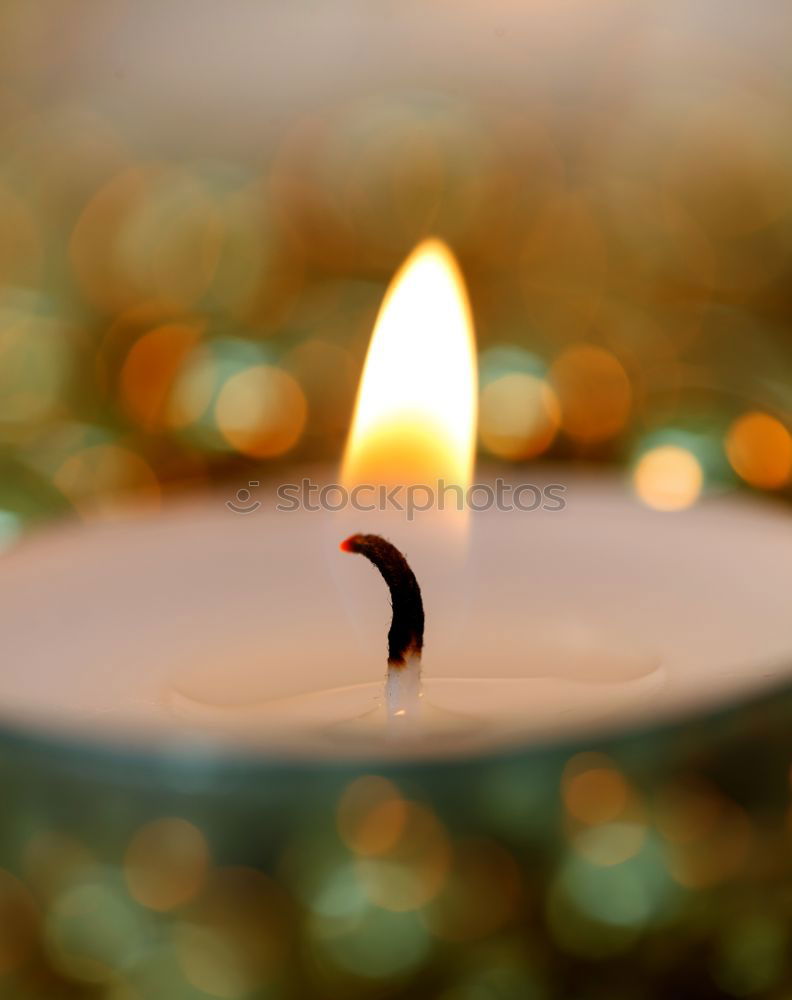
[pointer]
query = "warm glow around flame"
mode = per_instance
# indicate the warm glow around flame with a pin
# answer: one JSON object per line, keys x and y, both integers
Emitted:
{"x": 415, "y": 418}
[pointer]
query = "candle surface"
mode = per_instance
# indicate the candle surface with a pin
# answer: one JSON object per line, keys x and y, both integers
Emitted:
{"x": 202, "y": 625}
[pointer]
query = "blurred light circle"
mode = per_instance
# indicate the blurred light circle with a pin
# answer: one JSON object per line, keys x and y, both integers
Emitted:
{"x": 594, "y": 791}
{"x": 385, "y": 944}
{"x": 194, "y": 390}
{"x": 254, "y": 267}
{"x": 107, "y": 480}
{"x": 200, "y": 380}
{"x": 233, "y": 936}
{"x": 616, "y": 896}
{"x": 518, "y": 416}
{"x": 92, "y": 929}
{"x": 261, "y": 411}
{"x": 35, "y": 361}
{"x": 710, "y": 836}
{"x": 507, "y": 359}
{"x": 668, "y": 478}
{"x": 380, "y": 830}
{"x": 342, "y": 897}
{"x": 759, "y": 448}
{"x": 166, "y": 863}
{"x": 149, "y": 232}
{"x": 371, "y": 815}
{"x": 117, "y": 338}
{"x": 211, "y": 962}
{"x": 414, "y": 868}
{"x": 169, "y": 244}
{"x": 94, "y": 240}
{"x": 150, "y": 371}
{"x": 597, "y": 910}
{"x": 594, "y": 393}
{"x": 610, "y": 843}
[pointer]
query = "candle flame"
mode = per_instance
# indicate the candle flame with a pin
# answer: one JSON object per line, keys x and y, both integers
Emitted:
{"x": 415, "y": 417}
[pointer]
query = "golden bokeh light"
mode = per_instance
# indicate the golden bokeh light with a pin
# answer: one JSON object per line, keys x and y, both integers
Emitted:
{"x": 594, "y": 393}
{"x": 708, "y": 861}
{"x": 668, "y": 478}
{"x": 92, "y": 246}
{"x": 93, "y": 931}
{"x": 261, "y": 411}
{"x": 34, "y": 362}
{"x": 371, "y": 815}
{"x": 380, "y": 947}
{"x": 150, "y": 369}
{"x": 415, "y": 418}
{"x": 166, "y": 863}
{"x": 231, "y": 939}
{"x": 611, "y": 843}
{"x": 150, "y": 232}
{"x": 380, "y": 828}
{"x": 108, "y": 480}
{"x": 759, "y": 448}
{"x": 248, "y": 264}
{"x": 414, "y": 868}
{"x": 518, "y": 416}
{"x": 594, "y": 791}
{"x": 708, "y": 835}
{"x": 168, "y": 246}
{"x": 193, "y": 390}
{"x": 211, "y": 962}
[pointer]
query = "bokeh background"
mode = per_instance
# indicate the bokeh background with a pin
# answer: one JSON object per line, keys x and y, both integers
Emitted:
{"x": 201, "y": 204}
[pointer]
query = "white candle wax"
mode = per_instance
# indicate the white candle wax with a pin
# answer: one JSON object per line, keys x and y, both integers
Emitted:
{"x": 205, "y": 625}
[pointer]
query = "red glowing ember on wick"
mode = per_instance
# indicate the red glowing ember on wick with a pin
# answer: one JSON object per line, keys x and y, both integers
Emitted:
{"x": 405, "y": 636}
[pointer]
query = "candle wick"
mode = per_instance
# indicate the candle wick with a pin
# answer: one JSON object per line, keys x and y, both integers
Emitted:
{"x": 405, "y": 636}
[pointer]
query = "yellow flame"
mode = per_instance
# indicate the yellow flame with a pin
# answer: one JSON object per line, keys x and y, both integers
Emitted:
{"x": 415, "y": 418}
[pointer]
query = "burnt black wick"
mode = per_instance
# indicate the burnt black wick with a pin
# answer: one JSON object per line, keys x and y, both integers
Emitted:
{"x": 405, "y": 637}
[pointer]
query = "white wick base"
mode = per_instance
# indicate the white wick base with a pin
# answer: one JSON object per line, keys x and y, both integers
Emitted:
{"x": 403, "y": 693}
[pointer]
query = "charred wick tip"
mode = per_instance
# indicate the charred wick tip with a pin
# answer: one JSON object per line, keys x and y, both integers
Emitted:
{"x": 405, "y": 637}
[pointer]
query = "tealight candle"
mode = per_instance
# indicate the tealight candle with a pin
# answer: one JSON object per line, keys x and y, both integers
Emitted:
{"x": 205, "y": 625}
{"x": 210, "y": 626}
